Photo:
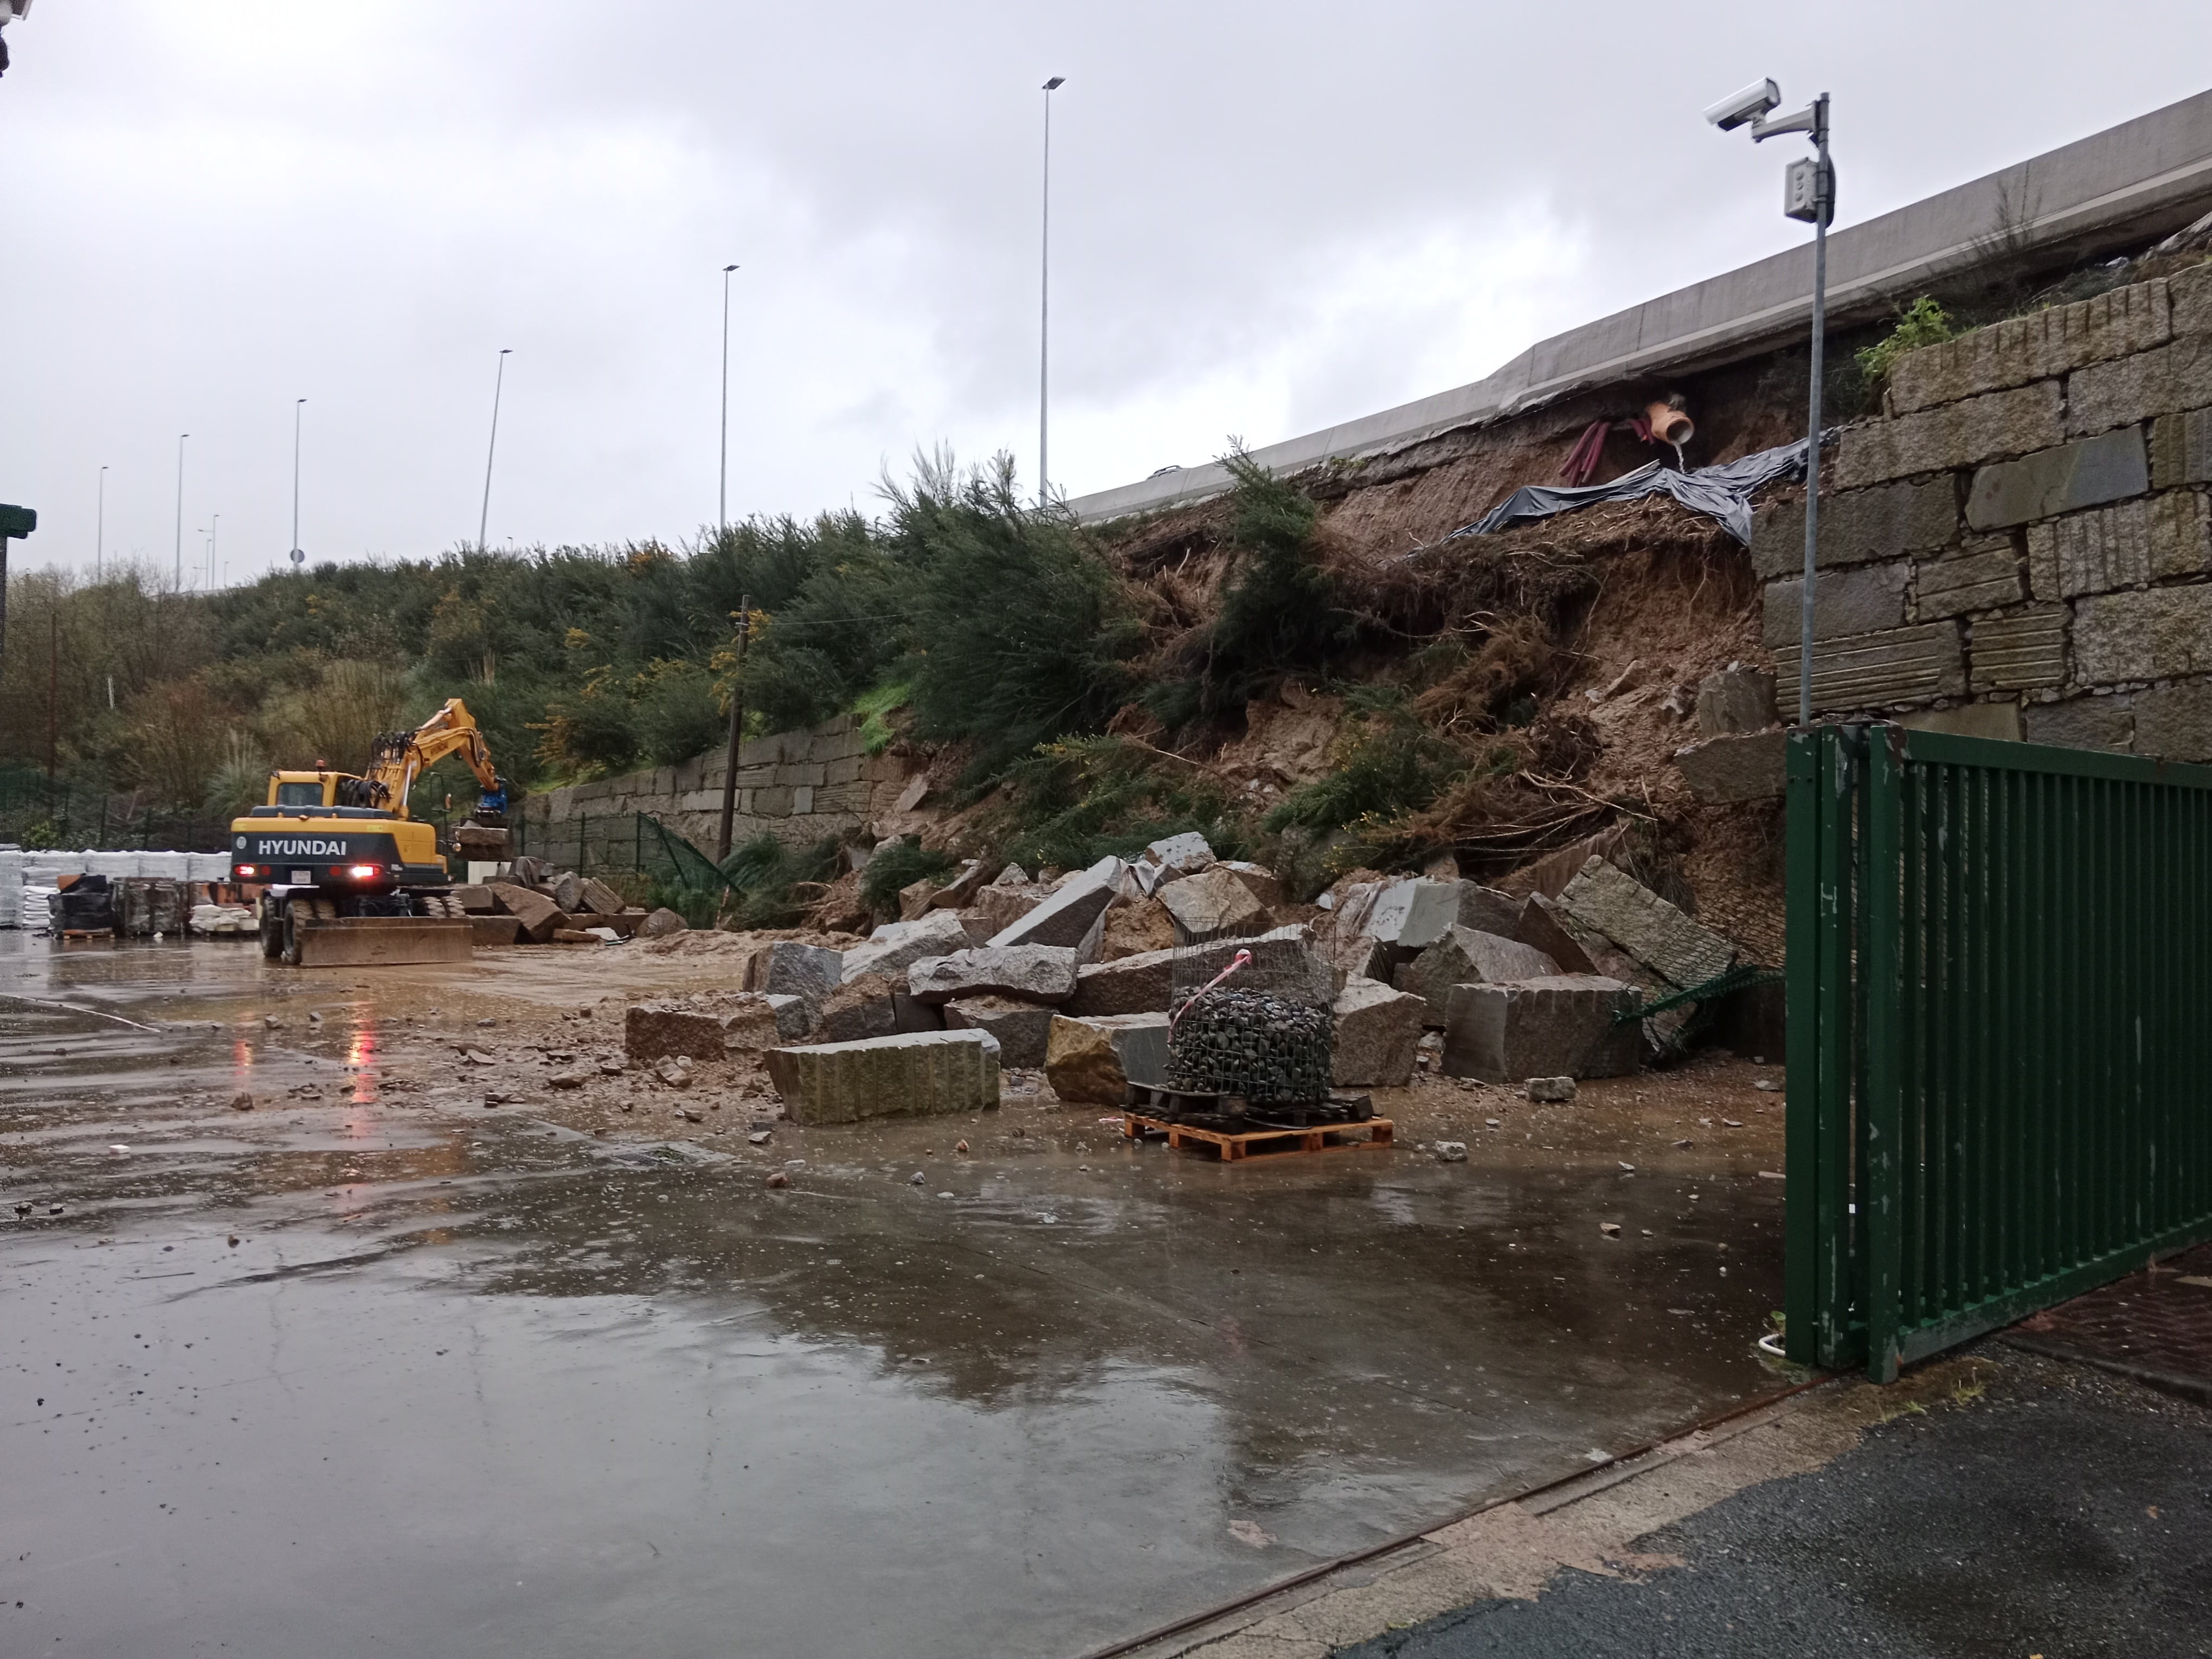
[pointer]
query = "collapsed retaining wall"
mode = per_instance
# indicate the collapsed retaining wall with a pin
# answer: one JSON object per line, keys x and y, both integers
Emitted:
{"x": 799, "y": 786}
{"x": 2022, "y": 545}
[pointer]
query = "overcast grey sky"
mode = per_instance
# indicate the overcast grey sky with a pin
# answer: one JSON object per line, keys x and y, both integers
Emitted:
{"x": 1266, "y": 218}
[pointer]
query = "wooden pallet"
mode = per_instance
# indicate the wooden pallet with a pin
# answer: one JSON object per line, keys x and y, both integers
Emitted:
{"x": 1236, "y": 1147}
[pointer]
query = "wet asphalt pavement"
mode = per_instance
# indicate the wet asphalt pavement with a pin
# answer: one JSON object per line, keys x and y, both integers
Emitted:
{"x": 366, "y": 1370}
{"x": 2063, "y": 1512}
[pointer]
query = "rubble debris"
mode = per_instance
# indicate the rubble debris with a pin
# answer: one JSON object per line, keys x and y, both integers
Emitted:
{"x": 1550, "y": 1090}
{"x": 960, "y": 892}
{"x": 1185, "y": 854}
{"x": 777, "y": 1182}
{"x": 913, "y": 1072}
{"x": 1136, "y": 929}
{"x": 860, "y": 1007}
{"x": 1723, "y": 770}
{"x": 1091, "y": 1060}
{"x": 897, "y": 946}
{"x": 1024, "y": 1028}
{"x": 1656, "y": 934}
{"x": 1449, "y": 1151}
{"x": 574, "y": 1076}
{"x": 1263, "y": 883}
{"x": 1003, "y": 902}
{"x": 241, "y": 1103}
{"x": 1031, "y": 973}
{"x": 1488, "y": 910}
{"x": 710, "y": 1028}
{"x": 1609, "y": 1229}
{"x": 1378, "y": 1033}
{"x": 915, "y": 898}
{"x": 661, "y": 923}
{"x": 1563, "y": 1026}
{"x": 675, "y": 1071}
{"x": 538, "y": 914}
{"x": 1736, "y": 700}
{"x": 1212, "y": 905}
{"x": 494, "y": 931}
{"x": 1467, "y": 955}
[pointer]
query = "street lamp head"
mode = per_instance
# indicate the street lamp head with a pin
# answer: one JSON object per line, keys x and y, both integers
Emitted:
{"x": 726, "y": 270}
{"x": 1740, "y": 109}
{"x": 1055, "y": 84}
{"x": 506, "y": 351}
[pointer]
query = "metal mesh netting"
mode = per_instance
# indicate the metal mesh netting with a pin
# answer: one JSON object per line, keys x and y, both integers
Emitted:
{"x": 1264, "y": 1032}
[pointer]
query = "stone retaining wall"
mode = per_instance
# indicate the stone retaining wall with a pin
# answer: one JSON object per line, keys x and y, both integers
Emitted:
{"x": 2022, "y": 543}
{"x": 799, "y": 785}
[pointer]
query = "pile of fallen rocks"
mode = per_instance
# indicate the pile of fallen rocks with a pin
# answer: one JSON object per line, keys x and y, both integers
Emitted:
{"x": 531, "y": 905}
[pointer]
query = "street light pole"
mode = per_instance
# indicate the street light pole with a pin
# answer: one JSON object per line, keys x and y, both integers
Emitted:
{"x": 1809, "y": 193}
{"x": 722, "y": 495}
{"x": 181, "y": 436}
{"x": 299, "y": 406}
{"x": 498, "y": 385}
{"x": 99, "y": 530}
{"x": 215, "y": 524}
{"x": 1045, "y": 296}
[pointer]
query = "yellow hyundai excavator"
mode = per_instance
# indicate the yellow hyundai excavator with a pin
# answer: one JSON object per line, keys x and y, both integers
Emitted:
{"x": 348, "y": 877}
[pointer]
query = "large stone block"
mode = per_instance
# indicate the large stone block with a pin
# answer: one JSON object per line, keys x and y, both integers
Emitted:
{"x": 1376, "y": 1034}
{"x": 2181, "y": 449}
{"x": 859, "y": 1008}
{"x": 1185, "y": 854}
{"x": 1214, "y": 904}
{"x": 1545, "y": 925}
{"x": 1413, "y": 914}
{"x": 1467, "y": 955}
{"x": 2064, "y": 479}
{"x": 1735, "y": 699}
{"x": 1031, "y": 973}
{"x": 1863, "y": 600}
{"x": 896, "y": 946}
{"x": 2106, "y": 723}
{"x": 1021, "y": 1028}
{"x": 2043, "y": 343}
{"x": 786, "y": 967}
{"x": 2018, "y": 651}
{"x": 1873, "y": 671}
{"x": 1138, "y": 929}
{"x": 1559, "y": 1027}
{"x": 2133, "y": 389}
{"x": 1263, "y": 883}
{"x": 1488, "y": 910}
{"x": 1126, "y": 985}
{"x": 2190, "y": 292}
{"x": 1657, "y": 934}
{"x": 1067, "y": 916}
{"x": 1750, "y": 766}
{"x": 1090, "y": 1060}
{"x": 1998, "y": 721}
{"x": 1955, "y": 435}
{"x": 1004, "y": 903}
{"x": 1857, "y": 526}
{"x": 923, "y": 1073}
{"x": 2174, "y": 722}
{"x": 1983, "y": 576}
{"x": 2155, "y": 634}
{"x": 711, "y": 1028}
{"x": 2140, "y": 541}
{"x": 536, "y": 913}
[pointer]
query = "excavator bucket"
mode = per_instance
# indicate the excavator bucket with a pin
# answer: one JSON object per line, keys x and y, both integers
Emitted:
{"x": 381, "y": 941}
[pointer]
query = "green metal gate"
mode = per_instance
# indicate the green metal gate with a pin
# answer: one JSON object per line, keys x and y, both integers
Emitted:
{"x": 2000, "y": 1047}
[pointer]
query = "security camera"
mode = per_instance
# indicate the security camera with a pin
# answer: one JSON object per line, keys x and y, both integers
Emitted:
{"x": 1743, "y": 107}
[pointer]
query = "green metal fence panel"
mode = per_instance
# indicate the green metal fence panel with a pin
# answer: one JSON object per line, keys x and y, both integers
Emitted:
{"x": 2000, "y": 1065}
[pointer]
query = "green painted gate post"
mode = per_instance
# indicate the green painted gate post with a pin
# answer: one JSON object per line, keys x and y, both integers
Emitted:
{"x": 1881, "y": 1104}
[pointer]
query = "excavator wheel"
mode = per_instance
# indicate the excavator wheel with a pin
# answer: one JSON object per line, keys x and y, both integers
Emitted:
{"x": 272, "y": 932}
{"x": 290, "y": 950}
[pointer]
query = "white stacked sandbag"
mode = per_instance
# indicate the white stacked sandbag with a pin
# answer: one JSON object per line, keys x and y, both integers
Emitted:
{"x": 113, "y": 865}
{"x": 222, "y": 920}
{"x": 39, "y": 904}
{"x": 50, "y": 863}
{"x": 11, "y": 889}
{"x": 205, "y": 867}
{"x": 171, "y": 866}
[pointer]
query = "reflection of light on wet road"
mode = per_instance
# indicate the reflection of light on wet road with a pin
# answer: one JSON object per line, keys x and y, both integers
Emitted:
{"x": 242, "y": 1063}
{"x": 361, "y": 1061}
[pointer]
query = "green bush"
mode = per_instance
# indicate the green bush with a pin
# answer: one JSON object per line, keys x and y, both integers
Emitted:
{"x": 1075, "y": 801}
{"x": 897, "y": 867}
{"x": 1923, "y": 324}
{"x": 770, "y": 876}
{"x": 1386, "y": 765}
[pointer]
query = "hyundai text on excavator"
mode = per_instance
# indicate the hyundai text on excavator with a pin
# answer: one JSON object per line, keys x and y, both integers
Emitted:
{"x": 349, "y": 878}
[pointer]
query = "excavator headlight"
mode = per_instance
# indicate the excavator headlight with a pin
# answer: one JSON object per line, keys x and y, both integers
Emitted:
{"x": 364, "y": 872}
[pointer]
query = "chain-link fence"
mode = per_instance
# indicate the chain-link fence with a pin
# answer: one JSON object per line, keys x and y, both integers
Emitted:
{"x": 633, "y": 852}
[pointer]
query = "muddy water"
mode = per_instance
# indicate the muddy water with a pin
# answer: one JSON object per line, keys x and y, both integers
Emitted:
{"x": 364, "y": 1370}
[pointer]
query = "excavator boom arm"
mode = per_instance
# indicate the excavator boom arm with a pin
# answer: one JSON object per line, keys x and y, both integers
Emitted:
{"x": 402, "y": 757}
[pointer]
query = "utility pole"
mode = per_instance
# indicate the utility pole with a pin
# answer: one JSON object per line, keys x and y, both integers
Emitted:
{"x": 737, "y": 730}
{"x": 181, "y": 436}
{"x": 53, "y": 685}
{"x": 722, "y": 496}
{"x": 498, "y": 385}
{"x": 100, "y": 530}
{"x": 1045, "y": 296}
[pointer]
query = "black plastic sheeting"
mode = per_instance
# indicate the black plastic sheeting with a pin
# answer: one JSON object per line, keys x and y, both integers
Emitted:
{"x": 1723, "y": 492}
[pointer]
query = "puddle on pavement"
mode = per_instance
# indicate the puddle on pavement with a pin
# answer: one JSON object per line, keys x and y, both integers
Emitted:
{"x": 488, "y": 1381}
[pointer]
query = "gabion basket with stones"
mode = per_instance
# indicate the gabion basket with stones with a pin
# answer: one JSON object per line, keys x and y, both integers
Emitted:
{"x": 1264, "y": 1033}
{"x": 1267, "y": 1048}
